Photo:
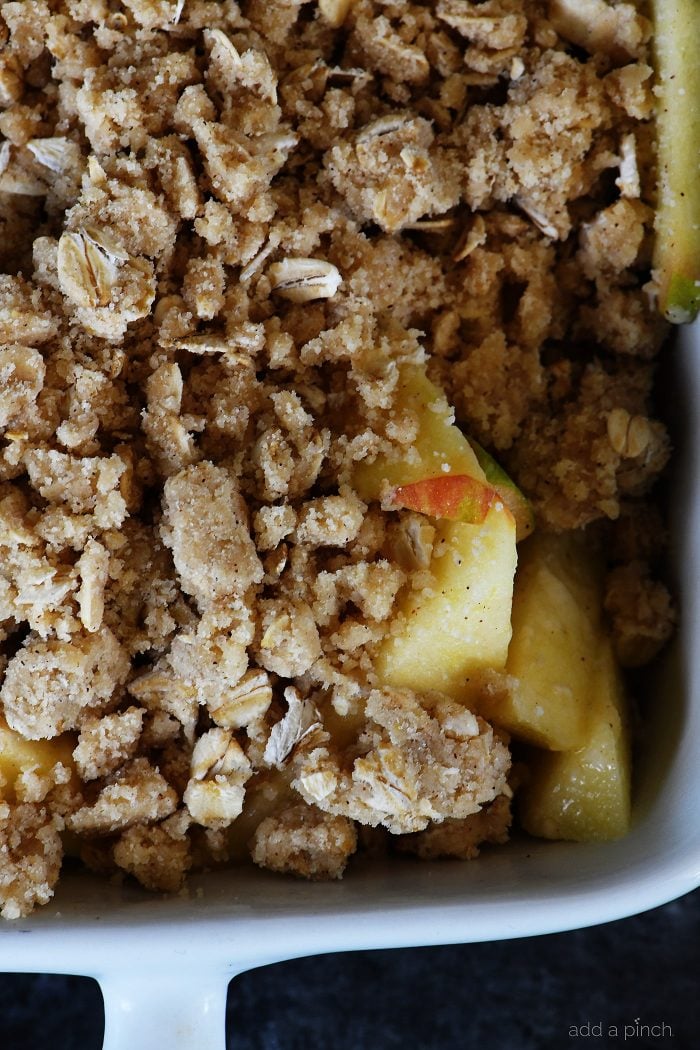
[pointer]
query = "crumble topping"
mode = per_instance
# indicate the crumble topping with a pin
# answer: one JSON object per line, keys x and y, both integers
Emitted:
{"x": 462, "y": 839}
{"x": 205, "y": 526}
{"x": 225, "y": 229}
{"x": 51, "y": 686}
{"x": 416, "y": 761}
{"x": 303, "y": 840}
{"x": 106, "y": 743}
{"x": 31, "y": 852}
{"x": 137, "y": 793}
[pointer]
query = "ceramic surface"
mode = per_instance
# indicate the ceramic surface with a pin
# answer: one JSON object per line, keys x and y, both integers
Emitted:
{"x": 164, "y": 964}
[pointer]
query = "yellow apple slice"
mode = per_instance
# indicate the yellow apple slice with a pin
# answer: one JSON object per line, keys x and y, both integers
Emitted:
{"x": 439, "y": 448}
{"x": 460, "y": 624}
{"x": 545, "y": 696}
{"x": 677, "y": 245}
{"x": 18, "y": 755}
{"x": 444, "y": 633}
{"x": 584, "y": 795}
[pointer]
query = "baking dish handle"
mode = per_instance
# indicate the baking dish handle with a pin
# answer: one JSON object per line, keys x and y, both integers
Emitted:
{"x": 173, "y": 1010}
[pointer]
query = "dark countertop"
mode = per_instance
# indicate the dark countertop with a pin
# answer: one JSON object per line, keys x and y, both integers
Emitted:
{"x": 531, "y": 994}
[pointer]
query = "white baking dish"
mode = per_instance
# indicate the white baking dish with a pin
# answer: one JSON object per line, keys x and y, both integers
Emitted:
{"x": 164, "y": 964}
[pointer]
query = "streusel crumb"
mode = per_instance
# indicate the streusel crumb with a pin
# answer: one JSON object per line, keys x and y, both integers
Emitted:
{"x": 462, "y": 839}
{"x": 303, "y": 840}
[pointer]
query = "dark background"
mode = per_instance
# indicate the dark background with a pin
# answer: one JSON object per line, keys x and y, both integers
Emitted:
{"x": 508, "y": 995}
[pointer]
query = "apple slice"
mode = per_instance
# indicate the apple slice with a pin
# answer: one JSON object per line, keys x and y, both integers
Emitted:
{"x": 18, "y": 755}
{"x": 584, "y": 794}
{"x": 546, "y": 694}
{"x": 444, "y": 635}
{"x": 677, "y": 245}
{"x": 456, "y": 497}
{"x": 518, "y": 504}
{"x": 439, "y": 447}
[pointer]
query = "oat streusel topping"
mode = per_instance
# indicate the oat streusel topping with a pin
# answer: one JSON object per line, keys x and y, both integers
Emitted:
{"x": 224, "y": 228}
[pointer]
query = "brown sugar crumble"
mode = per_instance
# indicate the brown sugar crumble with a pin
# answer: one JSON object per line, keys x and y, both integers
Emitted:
{"x": 223, "y": 229}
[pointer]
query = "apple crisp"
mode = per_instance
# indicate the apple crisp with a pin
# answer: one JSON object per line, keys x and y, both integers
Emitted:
{"x": 228, "y": 234}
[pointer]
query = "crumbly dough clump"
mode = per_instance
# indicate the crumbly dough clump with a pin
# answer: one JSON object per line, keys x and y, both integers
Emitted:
{"x": 31, "y": 852}
{"x": 302, "y": 840}
{"x": 462, "y": 839}
{"x": 223, "y": 229}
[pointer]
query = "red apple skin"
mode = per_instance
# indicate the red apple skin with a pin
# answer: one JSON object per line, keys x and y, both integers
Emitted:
{"x": 456, "y": 497}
